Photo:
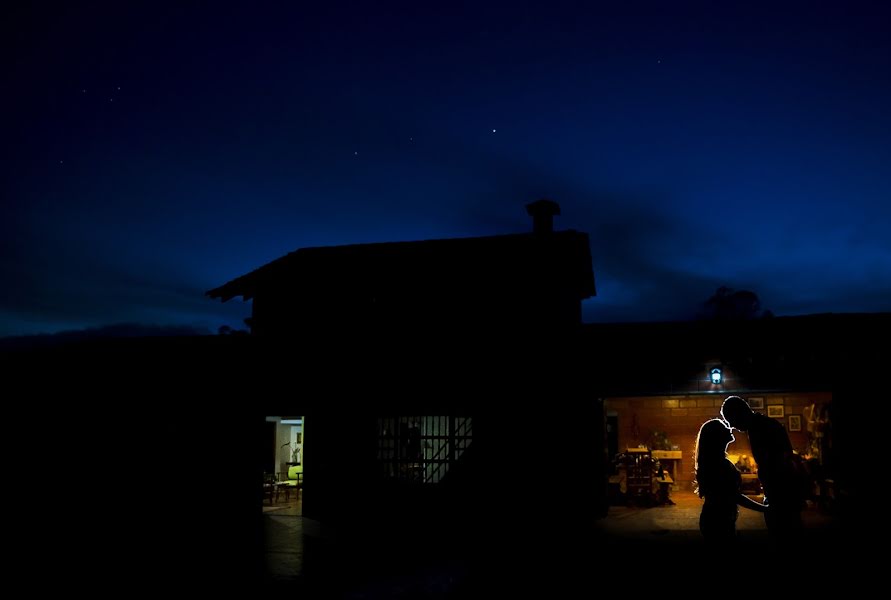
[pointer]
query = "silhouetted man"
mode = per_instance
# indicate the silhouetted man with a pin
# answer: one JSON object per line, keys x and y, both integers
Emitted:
{"x": 777, "y": 471}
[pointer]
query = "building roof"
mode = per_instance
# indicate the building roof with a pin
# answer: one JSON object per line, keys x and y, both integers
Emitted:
{"x": 497, "y": 265}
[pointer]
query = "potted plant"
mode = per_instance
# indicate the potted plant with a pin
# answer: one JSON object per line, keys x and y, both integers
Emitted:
{"x": 659, "y": 441}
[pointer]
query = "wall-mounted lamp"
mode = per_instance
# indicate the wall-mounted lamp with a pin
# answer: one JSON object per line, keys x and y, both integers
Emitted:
{"x": 716, "y": 376}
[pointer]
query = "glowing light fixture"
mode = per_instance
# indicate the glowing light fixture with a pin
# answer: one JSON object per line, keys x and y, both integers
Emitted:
{"x": 716, "y": 376}
{"x": 292, "y": 421}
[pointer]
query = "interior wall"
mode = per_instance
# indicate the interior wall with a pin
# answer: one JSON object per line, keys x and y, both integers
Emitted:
{"x": 680, "y": 417}
{"x": 283, "y": 436}
{"x": 296, "y": 437}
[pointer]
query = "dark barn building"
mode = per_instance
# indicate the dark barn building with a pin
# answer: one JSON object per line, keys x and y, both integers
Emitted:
{"x": 454, "y": 405}
{"x": 431, "y": 362}
{"x": 456, "y": 392}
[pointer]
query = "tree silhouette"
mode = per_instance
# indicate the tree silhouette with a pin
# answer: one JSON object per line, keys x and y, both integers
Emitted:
{"x": 727, "y": 304}
{"x": 226, "y": 330}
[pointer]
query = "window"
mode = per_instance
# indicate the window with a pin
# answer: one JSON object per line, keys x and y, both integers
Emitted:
{"x": 421, "y": 448}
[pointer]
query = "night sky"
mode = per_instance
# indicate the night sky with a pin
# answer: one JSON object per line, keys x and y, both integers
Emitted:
{"x": 151, "y": 153}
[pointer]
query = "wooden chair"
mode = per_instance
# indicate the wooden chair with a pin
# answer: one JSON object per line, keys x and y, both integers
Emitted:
{"x": 269, "y": 487}
{"x": 293, "y": 482}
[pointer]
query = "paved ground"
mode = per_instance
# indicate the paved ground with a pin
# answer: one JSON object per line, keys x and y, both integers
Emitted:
{"x": 661, "y": 542}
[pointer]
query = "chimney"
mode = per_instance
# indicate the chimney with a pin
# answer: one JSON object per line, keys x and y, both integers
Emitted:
{"x": 542, "y": 213}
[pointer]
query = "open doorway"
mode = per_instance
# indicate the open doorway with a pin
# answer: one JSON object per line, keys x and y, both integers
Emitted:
{"x": 283, "y": 465}
{"x": 651, "y": 442}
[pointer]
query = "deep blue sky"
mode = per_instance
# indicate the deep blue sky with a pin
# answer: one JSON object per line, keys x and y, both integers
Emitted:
{"x": 152, "y": 153}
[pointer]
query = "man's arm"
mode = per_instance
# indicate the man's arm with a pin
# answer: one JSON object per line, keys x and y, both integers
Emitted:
{"x": 747, "y": 502}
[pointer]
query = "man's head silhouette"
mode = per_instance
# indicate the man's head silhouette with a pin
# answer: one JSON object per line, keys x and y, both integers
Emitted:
{"x": 736, "y": 411}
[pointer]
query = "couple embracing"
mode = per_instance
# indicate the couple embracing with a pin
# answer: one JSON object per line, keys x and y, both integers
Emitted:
{"x": 717, "y": 480}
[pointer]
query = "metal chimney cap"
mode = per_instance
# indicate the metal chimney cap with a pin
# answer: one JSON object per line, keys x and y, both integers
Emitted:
{"x": 543, "y": 207}
{"x": 542, "y": 213}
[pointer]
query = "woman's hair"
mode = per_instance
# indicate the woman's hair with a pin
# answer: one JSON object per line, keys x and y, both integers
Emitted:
{"x": 711, "y": 446}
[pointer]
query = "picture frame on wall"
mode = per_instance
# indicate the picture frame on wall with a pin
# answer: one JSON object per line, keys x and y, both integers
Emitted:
{"x": 776, "y": 411}
{"x": 794, "y": 422}
{"x": 756, "y": 403}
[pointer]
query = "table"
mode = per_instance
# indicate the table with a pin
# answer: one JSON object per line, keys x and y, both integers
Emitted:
{"x": 673, "y": 456}
{"x": 661, "y": 486}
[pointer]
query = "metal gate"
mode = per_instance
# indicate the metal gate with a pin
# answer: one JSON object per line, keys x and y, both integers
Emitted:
{"x": 421, "y": 448}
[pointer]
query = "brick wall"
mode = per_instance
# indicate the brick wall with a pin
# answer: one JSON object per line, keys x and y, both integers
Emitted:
{"x": 681, "y": 416}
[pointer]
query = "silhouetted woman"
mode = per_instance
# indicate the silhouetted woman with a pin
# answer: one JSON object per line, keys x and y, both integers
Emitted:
{"x": 718, "y": 482}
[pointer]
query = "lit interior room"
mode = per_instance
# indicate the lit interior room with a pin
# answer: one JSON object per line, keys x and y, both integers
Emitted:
{"x": 651, "y": 443}
{"x": 283, "y": 464}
